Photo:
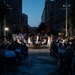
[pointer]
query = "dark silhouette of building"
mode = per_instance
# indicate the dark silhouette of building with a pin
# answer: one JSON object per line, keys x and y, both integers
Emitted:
{"x": 73, "y": 16}
{"x": 25, "y": 17}
{"x": 48, "y": 15}
{"x": 54, "y": 16}
{"x": 60, "y": 16}
{"x": 24, "y": 21}
{"x": 13, "y": 15}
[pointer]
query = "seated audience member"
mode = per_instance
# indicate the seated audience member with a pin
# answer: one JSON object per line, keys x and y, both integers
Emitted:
{"x": 18, "y": 52}
{"x": 10, "y": 57}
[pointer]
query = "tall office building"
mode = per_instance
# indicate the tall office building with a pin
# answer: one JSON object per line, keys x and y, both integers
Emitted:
{"x": 43, "y": 16}
{"x": 13, "y": 15}
{"x": 25, "y": 17}
{"x": 54, "y": 15}
{"x": 72, "y": 3}
{"x": 60, "y": 16}
{"x": 24, "y": 21}
{"x": 73, "y": 15}
{"x": 48, "y": 15}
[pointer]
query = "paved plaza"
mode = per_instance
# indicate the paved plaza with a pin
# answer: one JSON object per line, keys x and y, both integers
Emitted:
{"x": 39, "y": 62}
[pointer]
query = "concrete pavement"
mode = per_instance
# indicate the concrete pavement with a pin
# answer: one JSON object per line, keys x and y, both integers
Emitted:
{"x": 39, "y": 62}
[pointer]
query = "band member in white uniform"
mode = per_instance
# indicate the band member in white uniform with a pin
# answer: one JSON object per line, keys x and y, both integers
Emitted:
{"x": 49, "y": 41}
{"x": 29, "y": 41}
{"x": 37, "y": 39}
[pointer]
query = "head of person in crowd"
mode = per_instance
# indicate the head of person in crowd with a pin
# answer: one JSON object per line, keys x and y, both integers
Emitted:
{"x": 2, "y": 47}
{"x": 10, "y": 47}
{"x": 70, "y": 43}
{"x": 18, "y": 46}
{"x": 68, "y": 47}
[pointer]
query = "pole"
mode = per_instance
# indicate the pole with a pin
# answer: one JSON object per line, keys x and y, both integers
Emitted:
{"x": 4, "y": 20}
{"x": 66, "y": 18}
{"x": 4, "y": 25}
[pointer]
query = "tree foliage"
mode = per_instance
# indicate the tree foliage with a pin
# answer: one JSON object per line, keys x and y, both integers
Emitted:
{"x": 41, "y": 27}
{"x": 26, "y": 29}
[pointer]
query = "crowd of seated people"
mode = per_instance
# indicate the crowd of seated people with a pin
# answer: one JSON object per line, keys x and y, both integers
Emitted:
{"x": 11, "y": 54}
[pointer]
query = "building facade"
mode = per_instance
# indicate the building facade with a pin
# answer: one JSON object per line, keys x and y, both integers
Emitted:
{"x": 48, "y": 15}
{"x": 25, "y": 17}
{"x": 24, "y": 21}
{"x": 73, "y": 16}
{"x": 43, "y": 16}
{"x": 54, "y": 15}
{"x": 13, "y": 15}
{"x": 60, "y": 18}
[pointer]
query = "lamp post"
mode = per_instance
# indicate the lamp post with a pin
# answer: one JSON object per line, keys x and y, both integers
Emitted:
{"x": 66, "y": 18}
{"x": 4, "y": 24}
{"x": 4, "y": 21}
{"x": 8, "y": 7}
{"x": 66, "y": 27}
{"x": 6, "y": 29}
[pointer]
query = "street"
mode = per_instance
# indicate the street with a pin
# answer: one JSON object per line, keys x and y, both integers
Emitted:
{"x": 39, "y": 62}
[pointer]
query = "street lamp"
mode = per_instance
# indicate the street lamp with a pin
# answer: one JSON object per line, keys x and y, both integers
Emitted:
{"x": 66, "y": 17}
{"x": 5, "y": 28}
{"x": 4, "y": 24}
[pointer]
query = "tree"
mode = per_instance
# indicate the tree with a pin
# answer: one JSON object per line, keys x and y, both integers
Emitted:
{"x": 26, "y": 29}
{"x": 41, "y": 27}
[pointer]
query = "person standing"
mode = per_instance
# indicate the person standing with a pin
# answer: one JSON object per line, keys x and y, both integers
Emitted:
{"x": 68, "y": 57}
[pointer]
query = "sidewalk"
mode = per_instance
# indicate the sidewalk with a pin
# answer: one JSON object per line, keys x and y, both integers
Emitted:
{"x": 37, "y": 63}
